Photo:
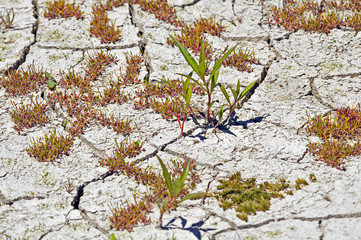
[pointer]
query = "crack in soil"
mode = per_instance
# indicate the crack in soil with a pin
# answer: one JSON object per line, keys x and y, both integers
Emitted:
{"x": 26, "y": 50}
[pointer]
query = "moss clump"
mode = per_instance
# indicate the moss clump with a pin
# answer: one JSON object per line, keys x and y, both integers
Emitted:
{"x": 247, "y": 197}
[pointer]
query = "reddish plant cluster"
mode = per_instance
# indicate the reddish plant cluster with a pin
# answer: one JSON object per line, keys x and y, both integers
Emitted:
{"x": 242, "y": 60}
{"x": 96, "y": 64}
{"x": 62, "y": 9}
{"x": 310, "y": 16}
{"x": 161, "y": 9}
{"x": 101, "y": 27}
{"x": 22, "y": 82}
{"x": 164, "y": 99}
{"x": 48, "y": 148}
{"x": 130, "y": 214}
{"x": 192, "y": 37}
{"x": 27, "y": 116}
{"x": 340, "y": 135}
{"x": 132, "y": 71}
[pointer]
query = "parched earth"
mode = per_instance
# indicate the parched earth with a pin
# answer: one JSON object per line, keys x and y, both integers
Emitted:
{"x": 297, "y": 73}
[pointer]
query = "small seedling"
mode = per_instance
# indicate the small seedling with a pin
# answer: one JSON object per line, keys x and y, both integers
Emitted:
{"x": 174, "y": 189}
{"x": 186, "y": 94}
{"x": 237, "y": 95}
{"x": 208, "y": 85}
{"x": 7, "y": 19}
{"x": 50, "y": 82}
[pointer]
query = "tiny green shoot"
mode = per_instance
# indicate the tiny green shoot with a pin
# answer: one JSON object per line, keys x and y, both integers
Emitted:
{"x": 174, "y": 189}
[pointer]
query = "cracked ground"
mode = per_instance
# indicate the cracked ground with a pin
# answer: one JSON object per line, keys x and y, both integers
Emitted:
{"x": 297, "y": 73}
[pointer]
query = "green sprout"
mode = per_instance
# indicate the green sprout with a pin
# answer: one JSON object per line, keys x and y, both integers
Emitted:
{"x": 174, "y": 189}
{"x": 208, "y": 85}
{"x": 237, "y": 95}
{"x": 50, "y": 82}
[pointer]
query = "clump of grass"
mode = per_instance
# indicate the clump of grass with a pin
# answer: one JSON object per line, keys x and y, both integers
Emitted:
{"x": 311, "y": 16}
{"x": 62, "y": 9}
{"x": 22, "y": 82}
{"x": 192, "y": 36}
{"x": 339, "y": 133}
{"x": 48, "y": 148}
{"x": 247, "y": 197}
{"x": 131, "y": 75}
{"x": 110, "y": 4}
{"x": 162, "y": 11}
{"x": 101, "y": 27}
{"x": 112, "y": 94}
{"x": 96, "y": 64}
{"x": 241, "y": 59}
{"x": 7, "y": 19}
{"x": 76, "y": 79}
{"x": 27, "y": 116}
{"x": 118, "y": 125}
{"x": 130, "y": 214}
{"x": 126, "y": 148}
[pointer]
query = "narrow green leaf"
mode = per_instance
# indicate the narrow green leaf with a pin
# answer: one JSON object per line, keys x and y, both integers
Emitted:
{"x": 192, "y": 196}
{"x": 188, "y": 96}
{"x": 177, "y": 187}
{"x": 225, "y": 93}
{"x": 214, "y": 80}
{"x": 184, "y": 173}
{"x": 217, "y": 65}
{"x": 202, "y": 62}
{"x": 188, "y": 57}
{"x": 220, "y": 114}
{"x": 235, "y": 95}
{"x": 200, "y": 85}
{"x": 179, "y": 182}
{"x": 246, "y": 90}
{"x": 186, "y": 84}
{"x": 238, "y": 87}
{"x": 166, "y": 175}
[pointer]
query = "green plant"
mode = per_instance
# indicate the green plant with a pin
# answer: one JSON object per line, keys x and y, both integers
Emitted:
{"x": 62, "y": 9}
{"x": 174, "y": 189}
{"x": 209, "y": 85}
{"x": 186, "y": 94}
{"x": 7, "y": 19}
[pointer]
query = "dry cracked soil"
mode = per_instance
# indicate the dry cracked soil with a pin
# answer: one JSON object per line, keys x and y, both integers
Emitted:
{"x": 297, "y": 72}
